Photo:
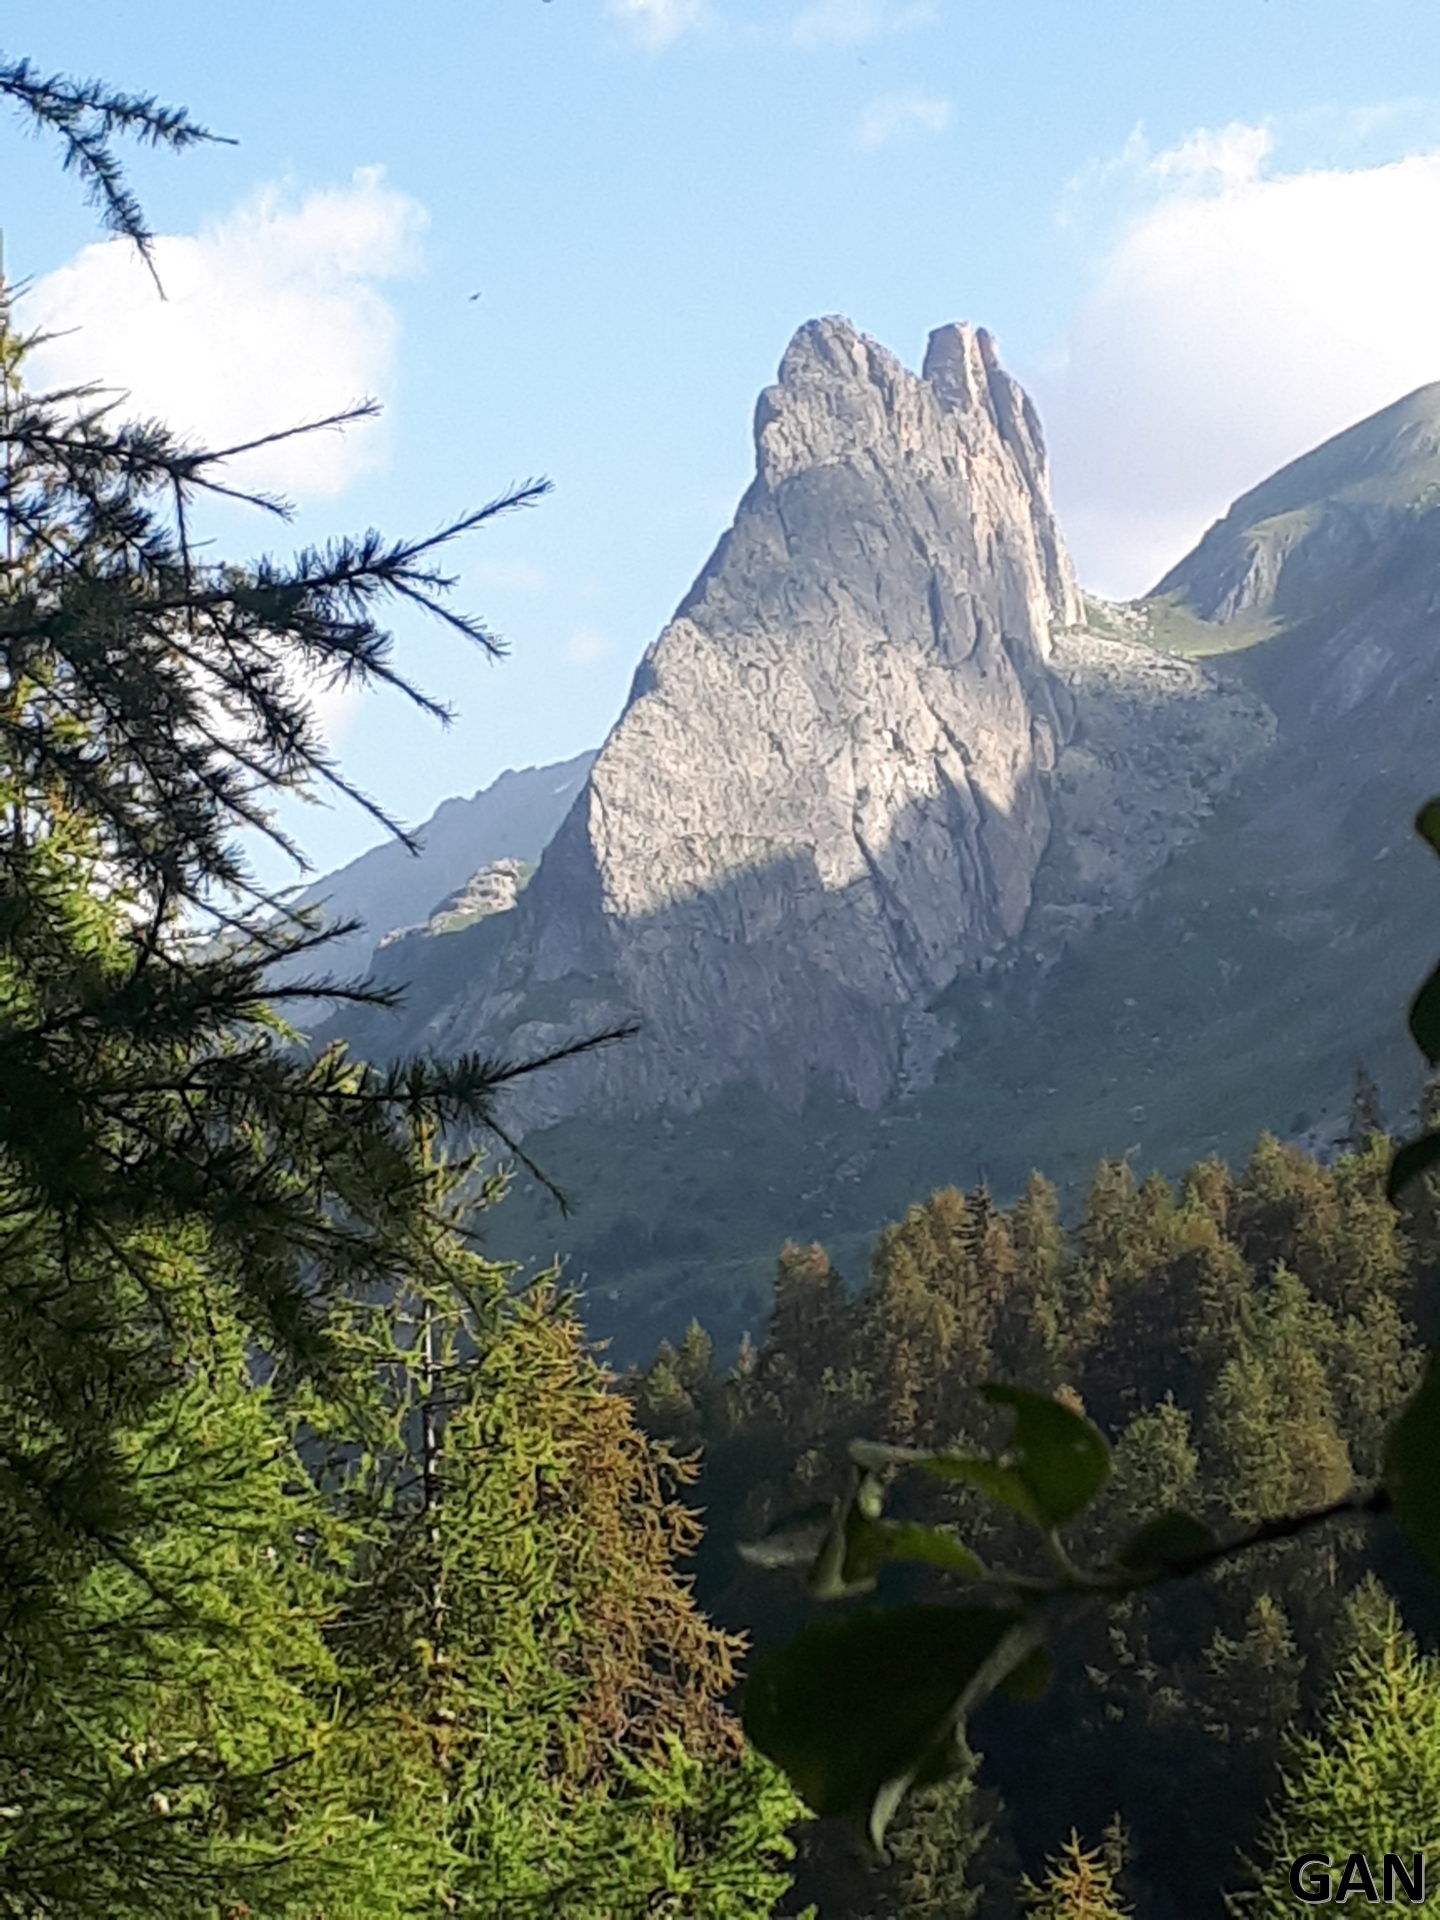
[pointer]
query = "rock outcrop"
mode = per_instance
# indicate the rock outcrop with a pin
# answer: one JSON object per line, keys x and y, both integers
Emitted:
{"x": 492, "y": 889}
{"x": 841, "y": 765}
{"x": 1155, "y": 740}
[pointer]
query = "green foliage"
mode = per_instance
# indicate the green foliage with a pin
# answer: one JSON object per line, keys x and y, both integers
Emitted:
{"x": 936, "y": 1849}
{"x": 516, "y": 1621}
{"x": 858, "y": 1711}
{"x": 1230, "y": 1349}
{"x": 1057, "y": 1456}
{"x": 1369, "y": 1781}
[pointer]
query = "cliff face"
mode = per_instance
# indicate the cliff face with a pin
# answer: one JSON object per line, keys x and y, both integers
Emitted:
{"x": 881, "y": 819}
{"x": 838, "y": 772}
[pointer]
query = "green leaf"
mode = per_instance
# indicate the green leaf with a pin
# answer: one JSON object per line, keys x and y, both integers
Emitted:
{"x": 852, "y": 1552}
{"x": 1004, "y": 1484}
{"x": 1164, "y": 1542}
{"x": 1412, "y": 1467}
{"x": 1056, "y": 1463}
{"x": 1001, "y": 1483}
{"x": 903, "y": 1540}
{"x": 1410, "y": 1161}
{"x": 1030, "y": 1678}
{"x": 1427, "y": 823}
{"x": 1425, "y": 1018}
{"x": 861, "y": 1561}
{"x": 1061, "y": 1457}
{"x": 851, "y": 1707}
{"x": 869, "y": 1497}
{"x": 793, "y": 1541}
{"x": 871, "y": 1543}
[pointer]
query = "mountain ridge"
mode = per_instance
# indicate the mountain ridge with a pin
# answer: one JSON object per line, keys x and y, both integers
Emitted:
{"x": 388, "y": 888}
{"x": 831, "y": 787}
{"x": 1180, "y": 903}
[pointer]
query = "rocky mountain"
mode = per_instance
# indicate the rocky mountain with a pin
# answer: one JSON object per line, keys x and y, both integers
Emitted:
{"x": 844, "y": 763}
{"x": 1314, "y": 533}
{"x": 493, "y": 888}
{"x": 918, "y": 866}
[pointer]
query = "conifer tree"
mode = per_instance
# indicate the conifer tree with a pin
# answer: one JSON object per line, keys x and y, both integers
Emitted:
{"x": 802, "y": 1371}
{"x": 1034, "y": 1335}
{"x": 1079, "y": 1884}
{"x": 1369, "y": 1781}
{"x": 1104, "y": 1234}
{"x": 520, "y": 1614}
{"x": 1274, "y": 1438}
{"x": 909, "y": 1334}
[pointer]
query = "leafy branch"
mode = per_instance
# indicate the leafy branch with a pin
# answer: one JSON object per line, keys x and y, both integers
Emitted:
{"x": 87, "y": 116}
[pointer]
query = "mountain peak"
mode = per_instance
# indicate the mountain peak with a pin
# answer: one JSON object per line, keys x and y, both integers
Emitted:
{"x": 840, "y": 396}
{"x": 842, "y": 762}
{"x": 1315, "y": 527}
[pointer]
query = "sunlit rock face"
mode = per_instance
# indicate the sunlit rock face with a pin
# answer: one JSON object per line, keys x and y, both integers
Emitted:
{"x": 832, "y": 764}
{"x": 835, "y": 780}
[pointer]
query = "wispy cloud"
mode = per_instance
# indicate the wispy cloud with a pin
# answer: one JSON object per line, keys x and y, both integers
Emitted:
{"x": 1239, "y": 313}
{"x": 848, "y": 23}
{"x": 658, "y": 23}
{"x": 899, "y": 113}
{"x": 272, "y": 316}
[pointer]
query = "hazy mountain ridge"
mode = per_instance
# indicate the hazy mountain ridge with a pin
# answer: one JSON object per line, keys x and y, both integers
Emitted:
{"x": 1317, "y": 528}
{"x": 387, "y": 888}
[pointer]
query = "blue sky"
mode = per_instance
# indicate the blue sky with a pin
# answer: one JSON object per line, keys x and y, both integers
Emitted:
{"x": 1203, "y": 233}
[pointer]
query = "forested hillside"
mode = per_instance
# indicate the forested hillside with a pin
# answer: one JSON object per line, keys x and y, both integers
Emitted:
{"x": 1243, "y": 1338}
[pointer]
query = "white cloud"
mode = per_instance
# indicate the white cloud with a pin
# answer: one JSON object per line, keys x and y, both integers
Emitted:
{"x": 848, "y": 23}
{"x": 585, "y": 646}
{"x": 1223, "y": 157}
{"x": 657, "y": 23}
{"x": 897, "y": 113}
{"x": 1240, "y": 316}
{"x": 272, "y": 316}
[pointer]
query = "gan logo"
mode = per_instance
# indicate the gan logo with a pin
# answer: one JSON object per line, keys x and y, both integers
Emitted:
{"x": 1319, "y": 1880}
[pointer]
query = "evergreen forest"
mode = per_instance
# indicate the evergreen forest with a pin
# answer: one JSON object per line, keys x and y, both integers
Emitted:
{"x": 1243, "y": 1338}
{"x": 336, "y": 1580}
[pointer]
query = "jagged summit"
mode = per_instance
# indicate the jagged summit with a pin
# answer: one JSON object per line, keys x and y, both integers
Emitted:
{"x": 842, "y": 763}
{"x": 880, "y": 837}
